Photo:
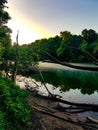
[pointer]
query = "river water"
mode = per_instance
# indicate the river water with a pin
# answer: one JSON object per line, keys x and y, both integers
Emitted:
{"x": 72, "y": 84}
{"x": 78, "y": 85}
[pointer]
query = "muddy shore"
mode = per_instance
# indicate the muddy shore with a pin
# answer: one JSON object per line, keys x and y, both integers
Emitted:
{"x": 43, "y": 121}
{"x": 45, "y": 115}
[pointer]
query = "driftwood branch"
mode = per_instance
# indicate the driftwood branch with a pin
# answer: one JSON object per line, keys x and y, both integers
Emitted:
{"x": 69, "y": 120}
{"x": 71, "y": 65}
{"x": 74, "y": 106}
{"x": 90, "y": 107}
{"x": 55, "y": 60}
{"x": 83, "y": 106}
{"x": 41, "y": 75}
{"x": 92, "y": 120}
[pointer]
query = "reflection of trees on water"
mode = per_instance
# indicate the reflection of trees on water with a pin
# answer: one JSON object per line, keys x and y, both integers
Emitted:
{"x": 86, "y": 82}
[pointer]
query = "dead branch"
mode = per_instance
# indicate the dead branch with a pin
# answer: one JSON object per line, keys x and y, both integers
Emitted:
{"x": 90, "y": 107}
{"x": 16, "y": 60}
{"x": 69, "y": 64}
{"x": 85, "y": 106}
{"x": 69, "y": 120}
{"x": 50, "y": 94}
{"x": 92, "y": 120}
{"x": 70, "y": 109}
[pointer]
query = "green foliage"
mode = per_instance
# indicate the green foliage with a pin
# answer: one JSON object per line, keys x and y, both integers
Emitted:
{"x": 5, "y": 38}
{"x": 83, "y": 45}
{"x": 4, "y": 16}
{"x": 46, "y": 45}
{"x": 2, "y": 120}
{"x": 65, "y": 35}
{"x": 14, "y": 110}
{"x": 27, "y": 57}
{"x": 71, "y": 47}
{"x": 66, "y": 47}
{"x": 89, "y": 35}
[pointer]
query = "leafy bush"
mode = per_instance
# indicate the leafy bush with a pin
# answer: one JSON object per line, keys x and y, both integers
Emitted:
{"x": 14, "y": 110}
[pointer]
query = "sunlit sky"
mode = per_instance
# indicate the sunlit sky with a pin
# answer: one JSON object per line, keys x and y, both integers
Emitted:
{"x": 37, "y": 19}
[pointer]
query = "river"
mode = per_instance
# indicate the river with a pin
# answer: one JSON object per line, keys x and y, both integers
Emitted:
{"x": 72, "y": 84}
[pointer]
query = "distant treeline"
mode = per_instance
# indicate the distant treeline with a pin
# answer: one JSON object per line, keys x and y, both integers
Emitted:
{"x": 67, "y": 47}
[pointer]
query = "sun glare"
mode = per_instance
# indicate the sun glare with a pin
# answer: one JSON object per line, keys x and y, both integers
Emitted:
{"x": 26, "y": 34}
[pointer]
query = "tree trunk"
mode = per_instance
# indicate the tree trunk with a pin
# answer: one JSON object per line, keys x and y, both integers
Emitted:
{"x": 16, "y": 61}
{"x": 71, "y": 65}
{"x": 89, "y": 68}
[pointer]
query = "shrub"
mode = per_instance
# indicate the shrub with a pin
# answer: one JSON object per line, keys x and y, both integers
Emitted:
{"x": 14, "y": 110}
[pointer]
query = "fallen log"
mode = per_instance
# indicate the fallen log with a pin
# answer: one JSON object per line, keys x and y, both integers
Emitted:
{"x": 90, "y": 107}
{"x": 70, "y": 109}
{"x": 92, "y": 120}
{"x": 69, "y": 64}
{"x": 55, "y": 98}
{"x": 69, "y": 120}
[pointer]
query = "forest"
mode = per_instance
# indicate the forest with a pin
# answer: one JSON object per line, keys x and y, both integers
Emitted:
{"x": 16, "y": 58}
{"x": 68, "y": 48}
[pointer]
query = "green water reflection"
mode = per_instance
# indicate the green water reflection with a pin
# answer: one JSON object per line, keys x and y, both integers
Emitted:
{"x": 85, "y": 81}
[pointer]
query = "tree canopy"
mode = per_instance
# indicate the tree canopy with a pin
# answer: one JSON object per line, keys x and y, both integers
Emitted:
{"x": 68, "y": 47}
{"x": 14, "y": 110}
{"x": 5, "y": 38}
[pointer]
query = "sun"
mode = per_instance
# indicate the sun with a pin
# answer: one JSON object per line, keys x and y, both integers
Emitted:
{"x": 26, "y": 33}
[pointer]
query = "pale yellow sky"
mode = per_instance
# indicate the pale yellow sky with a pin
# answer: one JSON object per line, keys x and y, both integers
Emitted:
{"x": 26, "y": 34}
{"x": 28, "y": 30}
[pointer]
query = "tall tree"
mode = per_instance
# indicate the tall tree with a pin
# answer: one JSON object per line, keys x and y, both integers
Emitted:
{"x": 65, "y": 35}
{"x": 89, "y": 35}
{"x": 5, "y": 39}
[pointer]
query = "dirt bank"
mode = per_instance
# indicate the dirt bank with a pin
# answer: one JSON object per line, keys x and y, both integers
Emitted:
{"x": 42, "y": 118}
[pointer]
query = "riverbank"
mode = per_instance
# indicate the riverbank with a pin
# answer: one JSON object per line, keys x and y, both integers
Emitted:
{"x": 47, "y": 122}
{"x": 45, "y": 116}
